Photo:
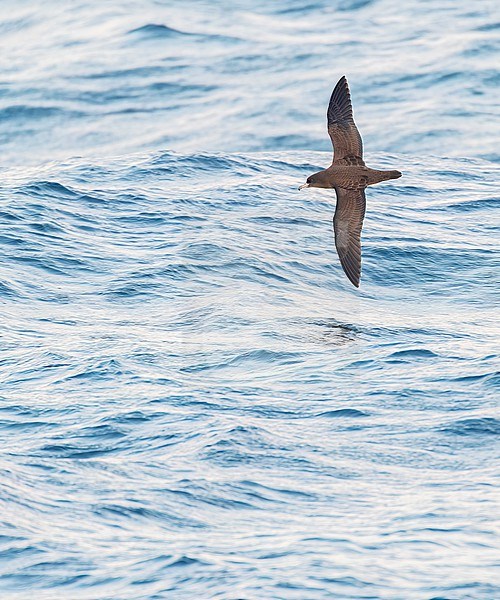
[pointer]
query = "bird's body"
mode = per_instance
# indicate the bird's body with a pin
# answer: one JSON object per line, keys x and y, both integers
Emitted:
{"x": 349, "y": 176}
{"x": 352, "y": 177}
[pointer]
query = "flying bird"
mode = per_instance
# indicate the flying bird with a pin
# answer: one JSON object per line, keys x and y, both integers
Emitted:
{"x": 349, "y": 177}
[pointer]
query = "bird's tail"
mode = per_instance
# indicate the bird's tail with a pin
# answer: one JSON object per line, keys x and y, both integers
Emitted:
{"x": 376, "y": 176}
{"x": 391, "y": 175}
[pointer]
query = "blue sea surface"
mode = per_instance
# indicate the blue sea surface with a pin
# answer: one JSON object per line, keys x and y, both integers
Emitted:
{"x": 195, "y": 403}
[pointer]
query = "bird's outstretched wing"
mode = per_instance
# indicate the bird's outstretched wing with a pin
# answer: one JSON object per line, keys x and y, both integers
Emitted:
{"x": 347, "y": 143}
{"x": 347, "y": 224}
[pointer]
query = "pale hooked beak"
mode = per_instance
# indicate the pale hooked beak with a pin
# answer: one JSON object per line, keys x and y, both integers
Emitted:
{"x": 305, "y": 185}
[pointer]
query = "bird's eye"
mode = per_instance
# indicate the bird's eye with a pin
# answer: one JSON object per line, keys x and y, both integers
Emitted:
{"x": 308, "y": 180}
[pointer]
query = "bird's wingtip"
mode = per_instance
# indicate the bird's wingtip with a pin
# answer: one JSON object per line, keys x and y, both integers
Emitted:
{"x": 342, "y": 81}
{"x": 353, "y": 279}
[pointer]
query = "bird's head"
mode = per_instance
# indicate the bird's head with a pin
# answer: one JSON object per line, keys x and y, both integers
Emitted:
{"x": 319, "y": 179}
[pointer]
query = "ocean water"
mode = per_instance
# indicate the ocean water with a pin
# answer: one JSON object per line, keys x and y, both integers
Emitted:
{"x": 195, "y": 403}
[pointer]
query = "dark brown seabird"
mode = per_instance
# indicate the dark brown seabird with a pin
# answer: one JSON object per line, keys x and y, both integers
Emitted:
{"x": 348, "y": 176}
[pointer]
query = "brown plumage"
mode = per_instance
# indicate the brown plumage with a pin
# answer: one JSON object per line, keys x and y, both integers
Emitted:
{"x": 349, "y": 176}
